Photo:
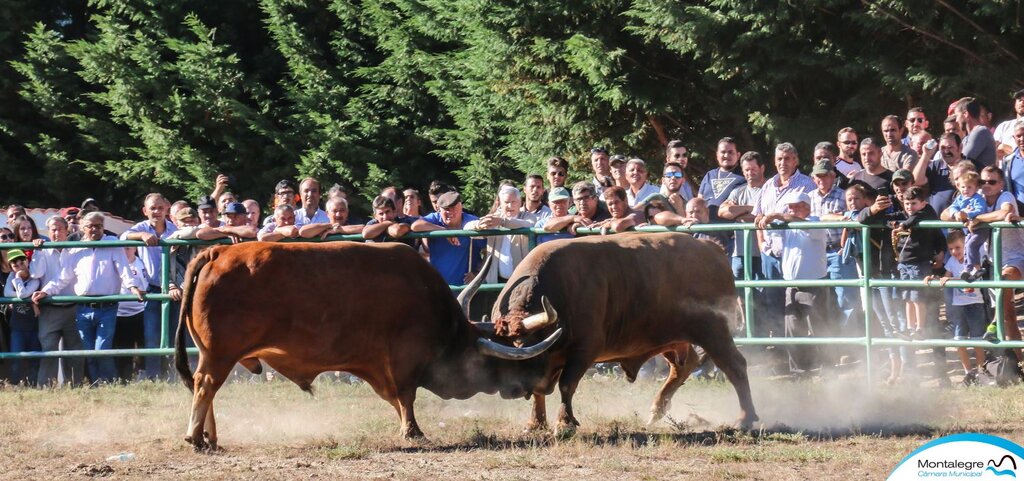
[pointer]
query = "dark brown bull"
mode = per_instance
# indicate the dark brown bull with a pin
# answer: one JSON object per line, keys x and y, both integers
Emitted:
{"x": 624, "y": 298}
{"x": 310, "y": 308}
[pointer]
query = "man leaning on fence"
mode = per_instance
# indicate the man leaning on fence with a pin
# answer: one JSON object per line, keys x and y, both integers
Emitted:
{"x": 94, "y": 272}
{"x": 56, "y": 320}
{"x": 156, "y": 226}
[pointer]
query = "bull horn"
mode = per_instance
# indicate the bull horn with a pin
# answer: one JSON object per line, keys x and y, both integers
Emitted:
{"x": 488, "y": 347}
{"x": 484, "y": 326}
{"x": 544, "y": 319}
{"x": 470, "y": 290}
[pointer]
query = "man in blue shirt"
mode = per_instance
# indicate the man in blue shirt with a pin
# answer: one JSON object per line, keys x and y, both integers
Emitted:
{"x": 451, "y": 255}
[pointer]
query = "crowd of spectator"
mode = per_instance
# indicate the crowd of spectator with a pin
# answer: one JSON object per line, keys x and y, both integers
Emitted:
{"x": 970, "y": 173}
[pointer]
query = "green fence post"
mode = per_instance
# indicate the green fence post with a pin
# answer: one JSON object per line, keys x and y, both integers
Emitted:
{"x": 865, "y": 234}
{"x": 165, "y": 305}
{"x": 748, "y": 294}
{"x": 997, "y": 274}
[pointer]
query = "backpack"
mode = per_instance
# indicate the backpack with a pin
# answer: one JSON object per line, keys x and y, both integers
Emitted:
{"x": 1004, "y": 367}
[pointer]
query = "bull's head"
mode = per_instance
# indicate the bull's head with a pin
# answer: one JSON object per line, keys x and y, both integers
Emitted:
{"x": 528, "y": 324}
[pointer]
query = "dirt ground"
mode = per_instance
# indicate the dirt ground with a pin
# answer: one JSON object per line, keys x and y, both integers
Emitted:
{"x": 843, "y": 428}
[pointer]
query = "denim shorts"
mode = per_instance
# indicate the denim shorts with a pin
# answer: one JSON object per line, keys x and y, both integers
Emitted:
{"x": 913, "y": 272}
{"x": 968, "y": 321}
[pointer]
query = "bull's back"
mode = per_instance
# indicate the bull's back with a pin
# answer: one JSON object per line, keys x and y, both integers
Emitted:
{"x": 330, "y": 302}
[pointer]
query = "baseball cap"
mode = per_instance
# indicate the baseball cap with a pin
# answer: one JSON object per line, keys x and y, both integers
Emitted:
{"x": 448, "y": 199}
{"x": 206, "y": 202}
{"x": 902, "y": 174}
{"x": 235, "y": 208}
{"x": 185, "y": 213}
{"x": 796, "y": 198}
{"x": 559, "y": 193}
{"x": 822, "y": 167}
{"x": 15, "y": 254}
{"x": 617, "y": 159}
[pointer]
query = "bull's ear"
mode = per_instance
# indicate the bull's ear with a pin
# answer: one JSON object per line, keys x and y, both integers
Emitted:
{"x": 539, "y": 321}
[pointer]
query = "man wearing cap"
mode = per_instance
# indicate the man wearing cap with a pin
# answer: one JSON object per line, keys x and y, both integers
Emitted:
{"x": 338, "y": 221}
{"x": 208, "y": 215}
{"x": 719, "y": 182}
{"x": 560, "y": 219}
{"x": 887, "y": 208}
{"x": 979, "y": 146}
{"x": 895, "y": 155}
{"x": 617, "y": 165}
{"x": 155, "y": 227}
{"x": 787, "y": 180}
{"x": 828, "y": 201}
{"x": 56, "y": 321}
{"x": 1004, "y": 132}
{"x": 534, "y": 209}
{"x": 456, "y": 258}
{"x": 94, "y": 272}
{"x": 310, "y": 213}
{"x": 639, "y": 189}
{"x": 236, "y": 226}
{"x": 602, "y": 169}
{"x": 282, "y": 227}
{"x": 803, "y": 258}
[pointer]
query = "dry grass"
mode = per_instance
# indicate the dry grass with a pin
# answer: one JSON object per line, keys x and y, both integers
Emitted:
{"x": 811, "y": 430}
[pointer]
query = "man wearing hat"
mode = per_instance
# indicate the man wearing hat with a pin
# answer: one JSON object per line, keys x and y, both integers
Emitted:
{"x": 803, "y": 258}
{"x": 155, "y": 227}
{"x": 1004, "y": 132}
{"x": 208, "y": 215}
{"x": 617, "y": 166}
{"x": 236, "y": 227}
{"x": 451, "y": 256}
{"x": 560, "y": 219}
{"x": 828, "y": 202}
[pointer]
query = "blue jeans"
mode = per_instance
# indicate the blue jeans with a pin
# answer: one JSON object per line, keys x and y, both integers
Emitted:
{"x": 24, "y": 370}
{"x": 96, "y": 326}
{"x": 774, "y": 299}
{"x": 848, "y": 298}
{"x": 151, "y": 329}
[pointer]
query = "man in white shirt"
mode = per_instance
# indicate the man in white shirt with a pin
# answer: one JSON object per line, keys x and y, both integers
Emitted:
{"x": 56, "y": 321}
{"x": 639, "y": 189}
{"x": 310, "y": 212}
{"x": 803, "y": 258}
{"x": 94, "y": 272}
{"x": 1004, "y": 132}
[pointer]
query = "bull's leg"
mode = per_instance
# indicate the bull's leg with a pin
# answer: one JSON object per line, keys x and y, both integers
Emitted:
{"x": 410, "y": 430}
{"x": 539, "y": 417}
{"x": 207, "y": 379}
{"x": 210, "y": 429}
{"x": 718, "y": 344}
{"x": 567, "y": 383}
{"x": 679, "y": 371}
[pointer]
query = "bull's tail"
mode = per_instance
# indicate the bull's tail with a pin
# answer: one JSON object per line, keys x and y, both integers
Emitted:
{"x": 188, "y": 290}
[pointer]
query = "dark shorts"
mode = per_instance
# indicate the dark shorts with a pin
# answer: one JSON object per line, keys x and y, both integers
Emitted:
{"x": 968, "y": 321}
{"x": 913, "y": 272}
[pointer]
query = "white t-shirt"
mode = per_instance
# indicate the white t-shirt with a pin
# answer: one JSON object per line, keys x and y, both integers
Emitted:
{"x": 1004, "y": 132}
{"x": 803, "y": 253}
{"x": 131, "y": 308}
{"x": 960, "y": 296}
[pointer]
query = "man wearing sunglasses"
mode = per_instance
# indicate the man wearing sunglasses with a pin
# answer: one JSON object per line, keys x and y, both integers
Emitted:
{"x": 916, "y": 123}
{"x": 558, "y": 171}
{"x": 848, "y": 160}
{"x": 674, "y": 186}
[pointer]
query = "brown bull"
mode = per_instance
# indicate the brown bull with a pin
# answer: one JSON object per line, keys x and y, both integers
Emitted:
{"x": 310, "y": 308}
{"x": 624, "y": 298}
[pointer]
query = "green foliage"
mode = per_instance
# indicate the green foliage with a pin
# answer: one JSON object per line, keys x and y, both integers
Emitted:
{"x": 111, "y": 99}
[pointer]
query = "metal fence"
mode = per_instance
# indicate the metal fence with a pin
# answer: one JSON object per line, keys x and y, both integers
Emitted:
{"x": 745, "y": 230}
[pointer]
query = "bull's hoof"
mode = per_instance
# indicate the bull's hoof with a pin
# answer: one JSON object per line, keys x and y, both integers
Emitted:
{"x": 413, "y": 434}
{"x": 655, "y": 417}
{"x": 746, "y": 422}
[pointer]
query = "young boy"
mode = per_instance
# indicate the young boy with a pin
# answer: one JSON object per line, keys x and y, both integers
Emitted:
{"x": 24, "y": 318}
{"x": 964, "y": 209}
{"x": 966, "y": 312}
{"x": 918, "y": 252}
